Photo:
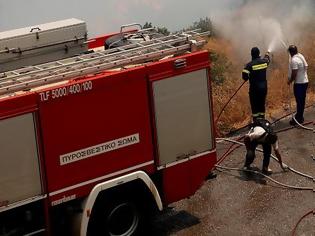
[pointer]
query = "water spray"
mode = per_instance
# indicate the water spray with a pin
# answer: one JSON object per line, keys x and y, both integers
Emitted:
{"x": 277, "y": 41}
{"x": 277, "y": 36}
{"x": 262, "y": 35}
{"x": 284, "y": 44}
{"x": 272, "y": 45}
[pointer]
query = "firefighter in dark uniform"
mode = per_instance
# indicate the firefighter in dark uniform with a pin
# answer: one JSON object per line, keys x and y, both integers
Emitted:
{"x": 255, "y": 71}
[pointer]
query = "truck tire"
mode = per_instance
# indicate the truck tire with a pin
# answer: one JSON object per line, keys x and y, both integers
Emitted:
{"x": 117, "y": 217}
{"x": 115, "y": 41}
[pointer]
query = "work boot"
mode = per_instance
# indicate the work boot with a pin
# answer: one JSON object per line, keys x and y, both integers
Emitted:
{"x": 246, "y": 168}
{"x": 266, "y": 171}
{"x": 292, "y": 122}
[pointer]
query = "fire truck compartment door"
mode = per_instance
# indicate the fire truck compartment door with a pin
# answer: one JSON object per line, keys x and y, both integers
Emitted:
{"x": 182, "y": 115}
{"x": 19, "y": 164}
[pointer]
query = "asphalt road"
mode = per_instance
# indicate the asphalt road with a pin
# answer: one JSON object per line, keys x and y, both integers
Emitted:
{"x": 238, "y": 204}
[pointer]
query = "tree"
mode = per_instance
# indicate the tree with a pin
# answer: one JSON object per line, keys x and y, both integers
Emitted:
{"x": 205, "y": 24}
{"x": 147, "y": 25}
{"x": 162, "y": 30}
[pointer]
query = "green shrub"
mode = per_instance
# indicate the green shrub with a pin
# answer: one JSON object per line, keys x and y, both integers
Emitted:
{"x": 220, "y": 66}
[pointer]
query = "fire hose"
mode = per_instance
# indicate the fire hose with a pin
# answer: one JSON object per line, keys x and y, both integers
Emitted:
{"x": 276, "y": 159}
{"x": 239, "y": 144}
{"x": 280, "y": 184}
{"x": 300, "y": 220}
{"x": 232, "y": 147}
{"x": 227, "y": 103}
{"x": 238, "y": 138}
{"x": 302, "y": 126}
{"x": 271, "y": 179}
{"x": 293, "y": 115}
{"x": 266, "y": 176}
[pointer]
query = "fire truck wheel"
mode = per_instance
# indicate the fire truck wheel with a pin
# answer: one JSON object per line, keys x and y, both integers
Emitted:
{"x": 119, "y": 218}
{"x": 122, "y": 219}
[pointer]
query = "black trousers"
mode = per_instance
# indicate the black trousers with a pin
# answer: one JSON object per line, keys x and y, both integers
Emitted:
{"x": 300, "y": 96}
{"x": 257, "y": 99}
{"x": 250, "y": 155}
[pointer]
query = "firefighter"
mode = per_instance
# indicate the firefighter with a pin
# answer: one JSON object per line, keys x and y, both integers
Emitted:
{"x": 255, "y": 71}
{"x": 262, "y": 133}
{"x": 298, "y": 73}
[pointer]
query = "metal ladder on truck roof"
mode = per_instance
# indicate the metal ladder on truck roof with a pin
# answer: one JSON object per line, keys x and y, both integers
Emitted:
{"x": 39, "y": 75}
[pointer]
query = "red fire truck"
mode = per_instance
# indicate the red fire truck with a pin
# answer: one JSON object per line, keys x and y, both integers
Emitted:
{"x": 92, "y": 139}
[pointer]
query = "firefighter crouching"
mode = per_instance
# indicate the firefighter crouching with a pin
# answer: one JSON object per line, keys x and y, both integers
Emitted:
{"x": 262, "y": 133}
{"x": 255, "y": 71}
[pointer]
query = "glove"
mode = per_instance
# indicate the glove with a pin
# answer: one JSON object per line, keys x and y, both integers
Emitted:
{"x": 284, "y": 167}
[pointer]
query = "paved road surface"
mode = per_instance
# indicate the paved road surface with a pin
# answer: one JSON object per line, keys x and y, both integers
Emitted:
{"x": 235, "y": 204}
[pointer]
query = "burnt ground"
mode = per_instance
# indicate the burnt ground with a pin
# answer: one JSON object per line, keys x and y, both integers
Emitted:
{"x": 238, "y": 204}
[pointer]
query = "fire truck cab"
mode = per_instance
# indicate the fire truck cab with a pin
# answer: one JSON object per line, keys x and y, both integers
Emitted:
{"x": 91, "y": 139}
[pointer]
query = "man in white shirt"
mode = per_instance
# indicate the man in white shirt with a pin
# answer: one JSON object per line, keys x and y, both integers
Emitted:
{"x": 261, "y": 133}
{"x": 298, "y": 74}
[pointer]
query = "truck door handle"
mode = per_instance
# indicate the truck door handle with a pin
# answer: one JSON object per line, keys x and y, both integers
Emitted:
{"x": 181, "y": 157}
{"x": 192, "y": 153}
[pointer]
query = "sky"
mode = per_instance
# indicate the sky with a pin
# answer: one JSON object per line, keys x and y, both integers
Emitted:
{"x": 105, "y": 16}
{"x": 245, "y": 23}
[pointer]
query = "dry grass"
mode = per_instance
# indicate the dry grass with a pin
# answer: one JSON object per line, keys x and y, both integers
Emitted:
{"x": 280, "y": 99}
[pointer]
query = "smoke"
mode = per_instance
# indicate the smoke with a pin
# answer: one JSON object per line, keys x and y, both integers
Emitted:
{"x": 123, "y": 7}
{"x": 245, "y": 22}
{"x": 270, "y": 24}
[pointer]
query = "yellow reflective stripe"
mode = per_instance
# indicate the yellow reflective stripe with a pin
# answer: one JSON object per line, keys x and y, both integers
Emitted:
{"x": 258, "y": 114}
{"x": 246, "y": 71}
{"x": 260, "y": 67}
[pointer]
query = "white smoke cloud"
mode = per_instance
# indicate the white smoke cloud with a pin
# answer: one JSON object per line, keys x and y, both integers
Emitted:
{"x": 238, "y": 19}
{"x": 124, "y": 6}
{"x": 154, "y": 4}
{"x": 268, "y": 24}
